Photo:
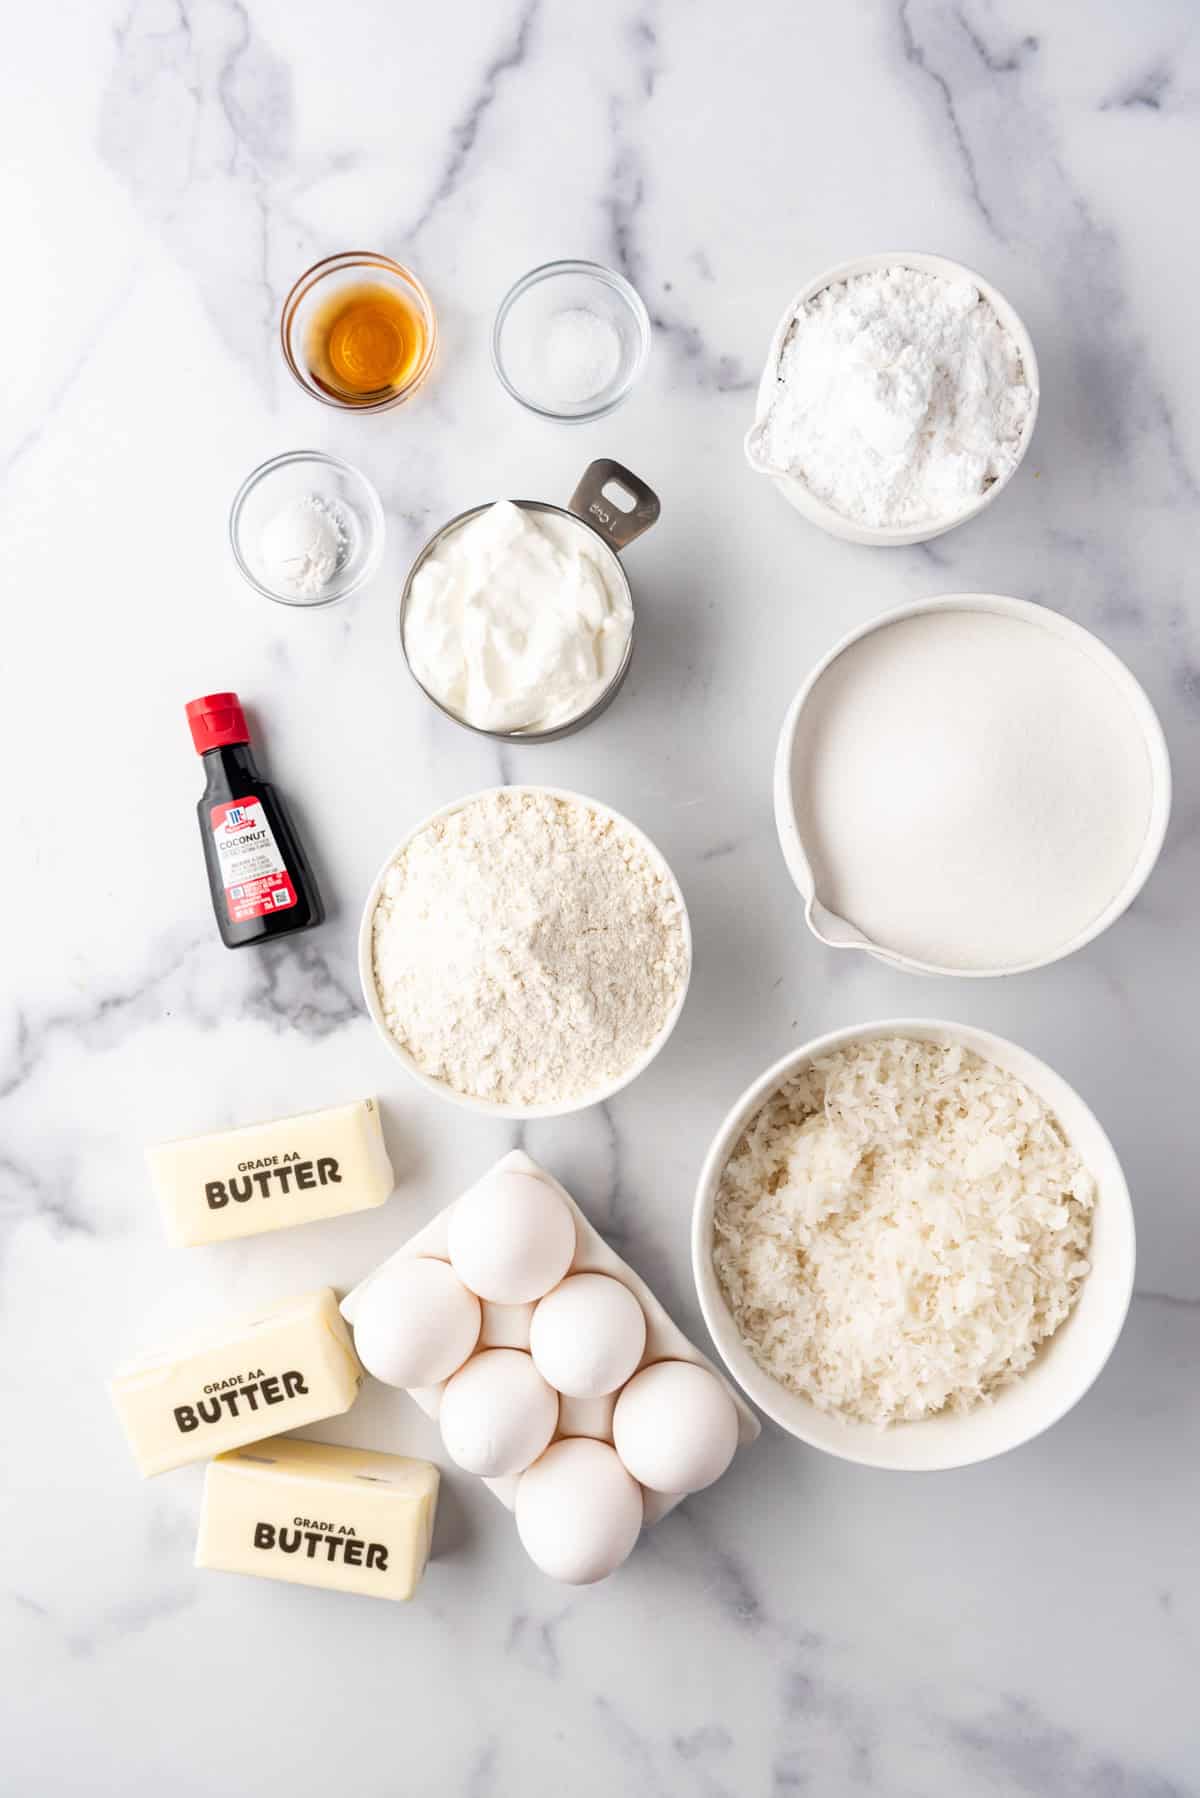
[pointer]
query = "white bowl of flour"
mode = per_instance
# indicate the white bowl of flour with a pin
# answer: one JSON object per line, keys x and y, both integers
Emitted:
{"x": 971, "y": 785}
{"x": 525, "y": 952}
{"x": 898, "y": 399}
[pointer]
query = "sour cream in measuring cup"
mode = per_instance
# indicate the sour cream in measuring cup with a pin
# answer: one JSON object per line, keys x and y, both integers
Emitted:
{"x": 517, "y": 620}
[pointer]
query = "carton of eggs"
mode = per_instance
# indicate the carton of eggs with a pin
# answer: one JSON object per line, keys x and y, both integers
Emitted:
{"x": 552, "y": 1370}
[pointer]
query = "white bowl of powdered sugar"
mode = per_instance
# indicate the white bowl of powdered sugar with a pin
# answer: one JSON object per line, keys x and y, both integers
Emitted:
{"x": 898, "y": 399}
{"x": 525, "y": 952}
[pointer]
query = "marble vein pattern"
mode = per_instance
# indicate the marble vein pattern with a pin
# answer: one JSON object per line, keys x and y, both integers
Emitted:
{"x": 1026, "y": 1627}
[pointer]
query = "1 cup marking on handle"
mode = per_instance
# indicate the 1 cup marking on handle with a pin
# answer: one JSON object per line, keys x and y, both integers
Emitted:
{"x": 614, "y": 502}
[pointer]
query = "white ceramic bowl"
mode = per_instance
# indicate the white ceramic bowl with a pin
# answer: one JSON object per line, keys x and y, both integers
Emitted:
{"x": 366, "y": 967}
{"x": 799, "y": 495}
{"x": 1065, "y": 1366}
{"x": 792, "y": 844}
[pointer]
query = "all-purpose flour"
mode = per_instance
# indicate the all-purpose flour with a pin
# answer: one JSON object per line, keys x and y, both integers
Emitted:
{"x": 527, "y": 949}
{"x": 899, "y": 398}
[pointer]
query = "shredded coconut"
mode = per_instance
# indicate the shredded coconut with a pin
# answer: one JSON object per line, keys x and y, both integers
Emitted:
{"x": 528, "y": 949}
{"x": 899, "y": 398}
{"x": 899, "y": 1228}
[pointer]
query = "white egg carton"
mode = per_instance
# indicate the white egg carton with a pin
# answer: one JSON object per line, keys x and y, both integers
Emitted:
{"x": 507, "y": 1326}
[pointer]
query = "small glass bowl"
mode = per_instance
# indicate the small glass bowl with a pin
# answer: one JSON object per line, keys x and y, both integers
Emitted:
{"x": 321, "y": 283}
{"x": 531, "y": 331}
{"x": 296, "y": 475}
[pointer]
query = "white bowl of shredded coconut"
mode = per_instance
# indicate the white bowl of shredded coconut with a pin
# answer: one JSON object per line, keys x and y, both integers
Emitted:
{"x": 898, "y": 398}
{"x": 525, "y": 952}
{"x": 913, "y": 1244}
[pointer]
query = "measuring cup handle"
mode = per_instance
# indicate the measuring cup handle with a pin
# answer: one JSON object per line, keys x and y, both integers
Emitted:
{"x": 610, "y": 521}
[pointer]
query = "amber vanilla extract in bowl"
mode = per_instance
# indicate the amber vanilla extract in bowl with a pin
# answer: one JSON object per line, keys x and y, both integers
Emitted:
{"x": 359, "y": 332}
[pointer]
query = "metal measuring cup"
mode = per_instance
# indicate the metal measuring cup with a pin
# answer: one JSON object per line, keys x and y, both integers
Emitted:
{"x": 614, "y": 525}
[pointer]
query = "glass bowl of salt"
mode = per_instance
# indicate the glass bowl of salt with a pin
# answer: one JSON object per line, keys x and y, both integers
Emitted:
{"x": 570, "y": 340}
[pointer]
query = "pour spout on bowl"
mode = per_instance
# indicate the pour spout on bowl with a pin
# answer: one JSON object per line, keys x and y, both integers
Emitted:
{"x": 831, "y": 930}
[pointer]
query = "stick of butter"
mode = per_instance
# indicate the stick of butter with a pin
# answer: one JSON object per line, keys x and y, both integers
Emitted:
{"x": 343, "y": 1518}
{"x": 288, "y": 1365}
{"x": 268, "y": 1176}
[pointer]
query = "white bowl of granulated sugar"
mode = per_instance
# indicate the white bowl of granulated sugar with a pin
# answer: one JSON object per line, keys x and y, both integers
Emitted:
{"x": 970, "y": 785}
{"x": 898, "y": 399}
{"x": 913, "y": 1244}
{"x": 525, "y": 952}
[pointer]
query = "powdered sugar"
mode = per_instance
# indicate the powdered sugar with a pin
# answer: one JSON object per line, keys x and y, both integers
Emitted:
{"x": 899, "y": 398}
{"x": 528, "y": 949}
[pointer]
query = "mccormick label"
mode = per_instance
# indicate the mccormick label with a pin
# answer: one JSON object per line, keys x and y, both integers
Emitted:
{"x": 252, "y": 869}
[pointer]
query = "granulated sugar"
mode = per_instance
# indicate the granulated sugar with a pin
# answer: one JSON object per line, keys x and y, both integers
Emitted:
{"x": 972, "y": 790}
{"x": 899, "y": 398}
{"x": 528, "y": 949}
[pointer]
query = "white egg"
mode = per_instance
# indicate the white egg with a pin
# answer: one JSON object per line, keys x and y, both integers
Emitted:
{"x": 675, "y": 1427}
{"x": 578, "y": 1511}
{"x": 416, "y": 1323}
{"x": 497, "y": 1413}
{"x": 511, "y": 1238}
{"x": 588, "y": 1335}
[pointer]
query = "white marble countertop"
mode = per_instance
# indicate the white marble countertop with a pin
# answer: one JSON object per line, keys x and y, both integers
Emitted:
{"x": 1027, "y": 1626}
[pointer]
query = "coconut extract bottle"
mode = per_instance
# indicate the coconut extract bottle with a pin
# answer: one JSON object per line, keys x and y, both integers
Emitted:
{"x": 260, "y": 879}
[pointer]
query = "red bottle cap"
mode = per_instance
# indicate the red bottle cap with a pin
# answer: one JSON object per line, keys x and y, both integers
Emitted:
{"x": 216, "y": 721}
